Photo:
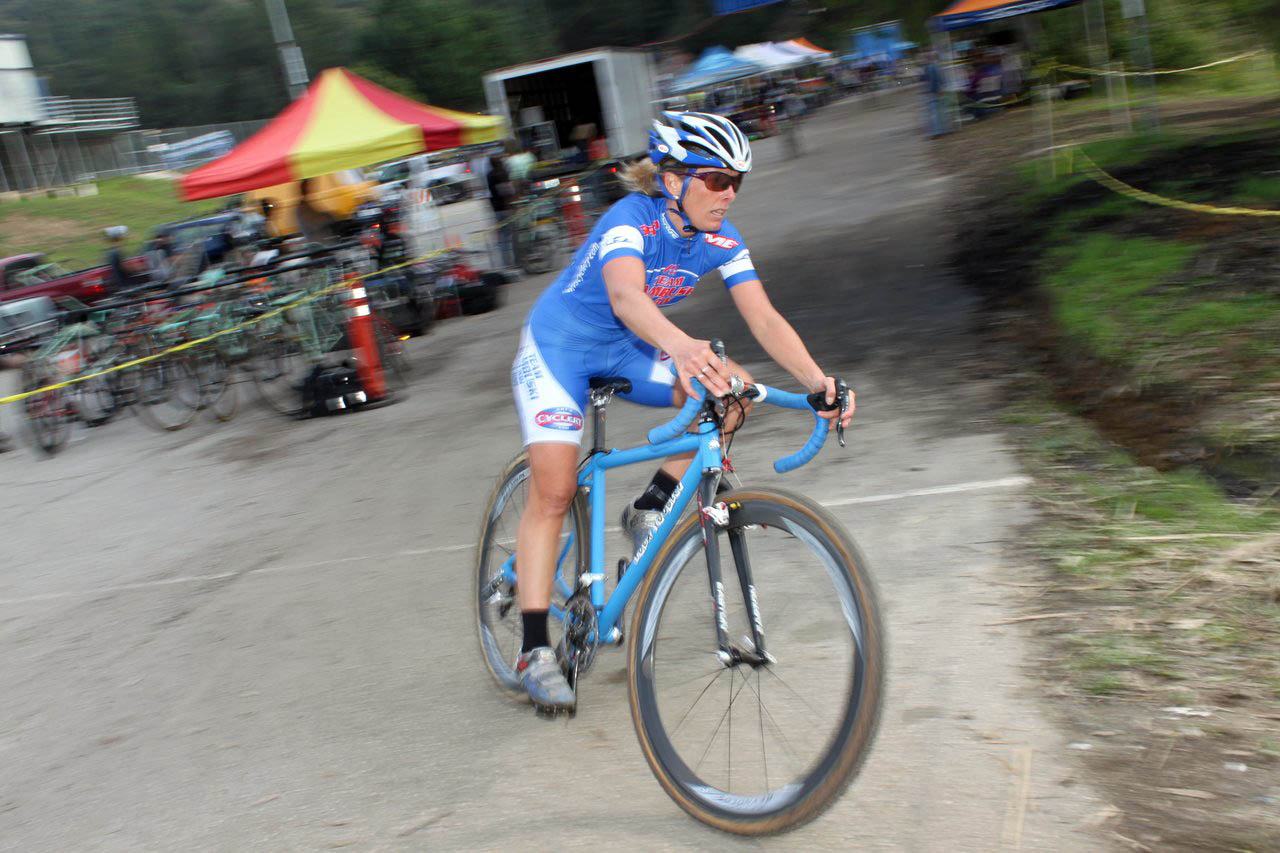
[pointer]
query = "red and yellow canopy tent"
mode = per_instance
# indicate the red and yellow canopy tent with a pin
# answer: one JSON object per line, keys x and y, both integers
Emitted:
{"x": 342, "y": 122}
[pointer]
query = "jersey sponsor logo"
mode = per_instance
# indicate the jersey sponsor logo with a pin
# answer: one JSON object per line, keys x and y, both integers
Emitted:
{"x": 560, "y": 417}
{"x": 667, "y": 287}
{"x": 582, "y": 268}
{"x": 721, "y": 241}
{"x": 650, "y": 230}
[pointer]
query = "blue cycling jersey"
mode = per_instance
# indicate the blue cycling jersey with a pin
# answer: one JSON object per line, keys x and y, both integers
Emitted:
{"x": 637, "y": 227}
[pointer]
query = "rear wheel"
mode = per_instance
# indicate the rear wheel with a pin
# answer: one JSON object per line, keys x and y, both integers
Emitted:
{"x": 48, "y": 413}
{"x": 497, "y": 609}
{"x": 758, "y": 743}
{"x": 279, "y": 370}
{"x": 217, "y": 387}
{"x": 169, "y": 394}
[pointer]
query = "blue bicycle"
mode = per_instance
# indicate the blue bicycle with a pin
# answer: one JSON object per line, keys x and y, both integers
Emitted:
{"x": 756, "y": 711}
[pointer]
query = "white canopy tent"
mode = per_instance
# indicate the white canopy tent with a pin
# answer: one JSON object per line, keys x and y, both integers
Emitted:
{"x": 771, "y": 56}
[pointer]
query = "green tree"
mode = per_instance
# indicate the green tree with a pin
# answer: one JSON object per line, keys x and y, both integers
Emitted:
{"x": 443, "y": 47}
{"x": 384, "y": 78}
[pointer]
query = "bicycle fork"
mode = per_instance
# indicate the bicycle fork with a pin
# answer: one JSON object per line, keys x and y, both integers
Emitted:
{"x": 712, "y": 516}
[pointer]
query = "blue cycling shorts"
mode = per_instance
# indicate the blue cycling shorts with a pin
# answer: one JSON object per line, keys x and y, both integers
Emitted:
{"x": 552, "y": 370}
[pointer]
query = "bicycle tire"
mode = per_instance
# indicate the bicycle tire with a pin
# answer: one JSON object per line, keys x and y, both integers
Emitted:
{"x": 793, "y": 804}
{"x": 396, "y": 366}
{"x": 217, "y": 384}
{"x": 47, "y": 414}
{"x": 168, "y": 380}
{"x": 499, "y": 656}
{"x": 279, "y": 369}
{"x": 94, "y": 401}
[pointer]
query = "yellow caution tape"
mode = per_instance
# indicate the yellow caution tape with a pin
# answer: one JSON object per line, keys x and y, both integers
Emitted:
{"x": 1092, "y": 170}
{"x": 1076, "y": 69}
{"x": 186, "y": 345}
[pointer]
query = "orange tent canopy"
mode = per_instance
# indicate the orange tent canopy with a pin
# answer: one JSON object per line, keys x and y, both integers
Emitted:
{"x": 969, "y": 13}
{"x": 342, "y": 122}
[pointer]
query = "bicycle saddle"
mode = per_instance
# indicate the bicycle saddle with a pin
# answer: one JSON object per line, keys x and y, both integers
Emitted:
{"x": 611, "y": 384}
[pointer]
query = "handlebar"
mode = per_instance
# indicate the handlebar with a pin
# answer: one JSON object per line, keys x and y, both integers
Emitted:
{"x": 763, "y": 393}
{"x": 683, "y": 418}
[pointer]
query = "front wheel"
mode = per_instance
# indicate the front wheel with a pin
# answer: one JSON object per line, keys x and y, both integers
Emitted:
{"x": 758, "y": 743}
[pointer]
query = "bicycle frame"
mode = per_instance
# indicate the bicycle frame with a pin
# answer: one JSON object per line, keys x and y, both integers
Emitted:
{"x": 701, "y": 478}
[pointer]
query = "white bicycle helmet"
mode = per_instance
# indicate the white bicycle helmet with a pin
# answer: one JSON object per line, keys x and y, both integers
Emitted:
{"x": 700, "y": 139}
{"x": 697, "y": 140}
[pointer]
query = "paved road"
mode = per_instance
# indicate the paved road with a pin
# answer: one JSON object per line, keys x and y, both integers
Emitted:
{"x": 257, "y": 636}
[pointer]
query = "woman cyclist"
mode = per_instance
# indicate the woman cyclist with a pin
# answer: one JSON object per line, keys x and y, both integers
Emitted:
{"x": 602, "y": 317}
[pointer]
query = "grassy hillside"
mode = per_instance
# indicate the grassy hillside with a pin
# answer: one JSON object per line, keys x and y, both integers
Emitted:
{"x": 69, "y": 230}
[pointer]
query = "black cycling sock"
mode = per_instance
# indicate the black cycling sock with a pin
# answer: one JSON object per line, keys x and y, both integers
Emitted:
{"x": 658, "y": 492}
{"x": 535, "y": 630}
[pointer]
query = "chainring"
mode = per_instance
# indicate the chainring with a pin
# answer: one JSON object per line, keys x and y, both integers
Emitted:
{"x": 581, "y": 640}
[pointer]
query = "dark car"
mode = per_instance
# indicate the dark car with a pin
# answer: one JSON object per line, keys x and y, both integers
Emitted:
{"x": 24, "y": 323}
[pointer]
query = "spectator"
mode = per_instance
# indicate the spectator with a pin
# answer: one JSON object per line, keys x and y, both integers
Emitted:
{"x": 501, "y": 197}
{"x": 314, "y": 224}
{"x": 119, "y": 276}
{"x": 934, "y": 92}
{"x": 519, "y": 165}
{"x": 160, "y": 259}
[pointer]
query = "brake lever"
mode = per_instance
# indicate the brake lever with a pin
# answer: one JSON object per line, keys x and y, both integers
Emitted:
{"x": 736, "y": 385}
{"x": 842, "y": 393}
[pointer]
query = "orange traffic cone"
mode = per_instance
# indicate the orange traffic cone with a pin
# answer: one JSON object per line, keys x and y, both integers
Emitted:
{"x": 364, "y": 342}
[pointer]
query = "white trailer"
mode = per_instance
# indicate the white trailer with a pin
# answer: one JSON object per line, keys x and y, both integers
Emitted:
{"x": 612, "y": 88}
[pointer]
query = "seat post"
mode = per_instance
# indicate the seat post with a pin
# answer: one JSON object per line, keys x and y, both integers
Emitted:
{"x": 599, "y": 402}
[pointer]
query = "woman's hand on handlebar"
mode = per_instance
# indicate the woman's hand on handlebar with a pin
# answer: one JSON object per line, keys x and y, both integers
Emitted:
{"x": 694, "y": 359}
{"x": 828, "y": 387}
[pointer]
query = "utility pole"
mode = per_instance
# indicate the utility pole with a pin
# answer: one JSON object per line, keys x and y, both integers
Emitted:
{"x": 1135, "y": 14}
{"x": 295, "y": 70}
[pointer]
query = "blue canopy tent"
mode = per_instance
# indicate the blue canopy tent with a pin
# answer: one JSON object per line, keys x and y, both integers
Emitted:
{"x": 878, "y": 43}
{"x": 716, "y": 65}
{"x": 729, "y": 7}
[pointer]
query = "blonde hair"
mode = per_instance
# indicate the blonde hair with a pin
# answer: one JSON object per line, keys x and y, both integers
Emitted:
{"x": 643, "y": 175}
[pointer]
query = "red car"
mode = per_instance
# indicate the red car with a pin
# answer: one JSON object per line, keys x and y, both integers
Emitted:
{"x": 31, "y": 275}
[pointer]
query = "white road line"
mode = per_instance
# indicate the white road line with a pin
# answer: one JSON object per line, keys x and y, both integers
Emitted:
{"x": 973, "y": 486}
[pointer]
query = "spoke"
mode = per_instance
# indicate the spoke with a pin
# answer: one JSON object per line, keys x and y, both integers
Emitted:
{"x": 769, "y": 670}
{"x": 720, "y": 668}
{"x": 776, "y": 726}
{"x": 723, "y": 716}
{"x": 696, "y": 701}
{"x": 764, "y": 752}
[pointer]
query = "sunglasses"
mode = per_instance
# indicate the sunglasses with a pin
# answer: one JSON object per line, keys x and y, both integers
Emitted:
{"x": 718, "y": 182}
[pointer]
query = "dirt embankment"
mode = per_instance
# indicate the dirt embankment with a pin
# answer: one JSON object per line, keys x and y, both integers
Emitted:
{"x": 1173, "y": 415}
{"x": 1158, "y": 604}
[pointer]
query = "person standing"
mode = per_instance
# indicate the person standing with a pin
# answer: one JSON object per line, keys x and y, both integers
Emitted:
{"x": 934, "y": 92}
{"x": 118, "y": 275}
{"x": 501, "y": 197}
{"x": 315, "y": 225}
